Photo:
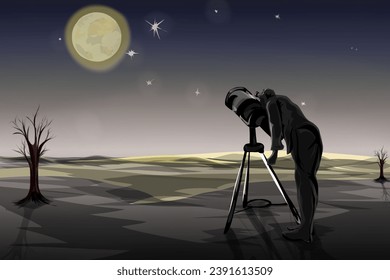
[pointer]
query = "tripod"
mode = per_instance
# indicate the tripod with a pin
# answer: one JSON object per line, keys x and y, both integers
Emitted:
{"x": 254, "y": 146}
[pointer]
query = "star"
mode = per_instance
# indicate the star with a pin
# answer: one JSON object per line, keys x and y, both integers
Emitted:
{"x": 277, "y": 16}
{"x": 59, "y": 39}
{"x": 155, "y": 27}
{"x": 216, "y": 11}
{"x": 303, "y": 103}
{"x": 197, "y": 92}
{"x": 149, "y": 82}
{"x": 131, "y": 53}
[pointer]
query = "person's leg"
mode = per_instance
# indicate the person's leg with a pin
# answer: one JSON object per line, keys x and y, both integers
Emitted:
{"x": 307, "y": 151}
{"x": 307, "y": 188}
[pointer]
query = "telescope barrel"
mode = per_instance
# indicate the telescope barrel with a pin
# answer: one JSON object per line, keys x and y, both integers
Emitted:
{"x": 246, "y": 106}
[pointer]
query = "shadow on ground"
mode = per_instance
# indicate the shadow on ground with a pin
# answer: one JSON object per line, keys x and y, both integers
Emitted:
{"x": 93, "y": 220}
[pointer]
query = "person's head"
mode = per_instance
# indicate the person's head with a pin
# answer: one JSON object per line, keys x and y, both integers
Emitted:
{"x": 265, "y": 95}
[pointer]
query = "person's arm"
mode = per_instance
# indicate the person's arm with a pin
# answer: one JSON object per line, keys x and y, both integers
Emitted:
{"x": 275, "y": 125}
{"x": 272, "y": 159}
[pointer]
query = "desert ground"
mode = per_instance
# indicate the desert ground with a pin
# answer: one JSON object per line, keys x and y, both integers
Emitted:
{"x": 175, "y": 207}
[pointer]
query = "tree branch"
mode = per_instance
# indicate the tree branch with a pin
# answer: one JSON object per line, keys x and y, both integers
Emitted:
{"x": 34, "y": 124}
{"x": 48, "y": 138}
{"x": 44, "y": 125}
{"x": 41, "y": 153}
{"x": 20, "y": 127}
{"x": 22, "y": 150}
{"x": 382, "y": 156}
{"x": 39, "y": 127}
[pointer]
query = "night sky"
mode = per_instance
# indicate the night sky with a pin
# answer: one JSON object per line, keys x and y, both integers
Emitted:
{"x": 333, "y": 56}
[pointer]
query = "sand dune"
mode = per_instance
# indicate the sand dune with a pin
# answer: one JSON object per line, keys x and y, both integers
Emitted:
{"x": 174, "y": 177}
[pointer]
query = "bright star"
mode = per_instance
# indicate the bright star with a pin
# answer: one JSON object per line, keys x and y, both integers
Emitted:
{"x": 197, "y": 92}
{"x": 155, "y": 27}
{"x": 149, "y": 82}
{"x": 216, "y": 11}
{"x": 59, "y": 39}
{"x": 277, "y": 16}
{"x": 131, "y": 53}
{"x": 303, "y": 103}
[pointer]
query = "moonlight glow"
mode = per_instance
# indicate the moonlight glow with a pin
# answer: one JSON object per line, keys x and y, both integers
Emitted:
{"x": 97, "y": 37}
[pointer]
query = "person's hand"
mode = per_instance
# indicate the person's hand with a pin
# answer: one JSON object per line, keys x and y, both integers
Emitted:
{"x": 273, "y": 157}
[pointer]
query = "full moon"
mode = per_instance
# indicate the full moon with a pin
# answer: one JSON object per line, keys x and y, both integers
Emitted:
{"x": 97, "y": 37}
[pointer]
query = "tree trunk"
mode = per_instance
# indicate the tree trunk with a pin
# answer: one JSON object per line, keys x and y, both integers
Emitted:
{"x": 381, "y": 176}
{"x": 34, "y": 193}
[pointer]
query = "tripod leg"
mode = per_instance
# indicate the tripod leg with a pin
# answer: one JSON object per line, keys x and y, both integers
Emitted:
{"x": 235, "y": 195}
{"x": 246, "y": 184}
{"x": 281, "y": 189}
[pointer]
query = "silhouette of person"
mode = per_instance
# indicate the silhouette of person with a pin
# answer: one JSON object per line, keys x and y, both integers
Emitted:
{"x": 303, "y": 140}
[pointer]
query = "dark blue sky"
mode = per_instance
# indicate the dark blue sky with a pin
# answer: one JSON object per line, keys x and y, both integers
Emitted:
{"x": 306, "y": 55}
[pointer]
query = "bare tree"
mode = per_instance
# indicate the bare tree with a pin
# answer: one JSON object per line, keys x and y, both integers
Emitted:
{"x": 382, "y": 157}
{"x": 32, "y": 150}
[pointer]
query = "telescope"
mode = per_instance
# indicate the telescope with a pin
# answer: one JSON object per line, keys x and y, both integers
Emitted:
{"x": 242, "y": 102}
{"x": 249, "y": 109}
{"x": 254, "y": 114}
